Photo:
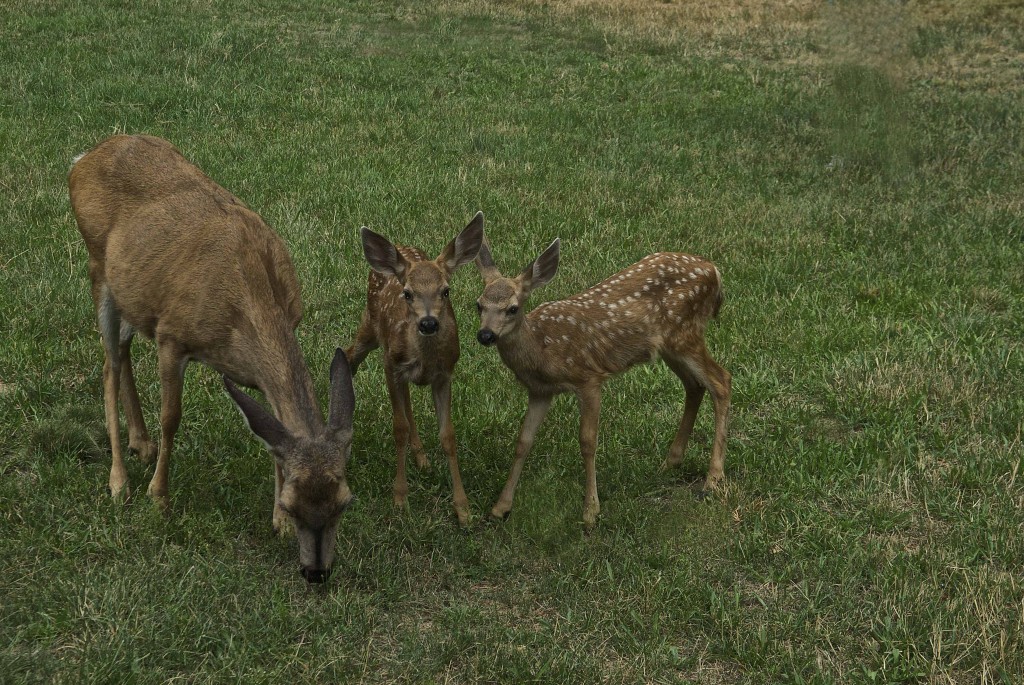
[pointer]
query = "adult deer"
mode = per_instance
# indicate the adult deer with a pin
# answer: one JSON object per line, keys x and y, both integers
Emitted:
{"x": 660, "y": 306}
{"x": 174, "y": 256}
{"x": 408, "y": 313}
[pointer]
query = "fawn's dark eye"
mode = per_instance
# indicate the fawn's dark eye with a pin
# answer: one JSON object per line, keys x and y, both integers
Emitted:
{"x": 479, "y": 308}
{"x": 446, "y": 292}
{"x": 407, "y": 294}
{"x": 512, "y": 310}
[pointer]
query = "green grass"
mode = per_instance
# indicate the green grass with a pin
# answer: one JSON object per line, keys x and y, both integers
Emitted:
{"x": 869, "y": 226}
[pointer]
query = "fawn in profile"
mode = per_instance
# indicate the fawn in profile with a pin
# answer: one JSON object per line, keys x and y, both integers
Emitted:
{"x": 660, "y": 306}
{"x": 174, "y": 256}
{"x": 408, "y": 313}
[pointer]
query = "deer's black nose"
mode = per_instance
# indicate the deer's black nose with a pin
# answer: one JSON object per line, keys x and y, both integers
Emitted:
{"x": 315, "y": 575}
{"x": 486, "y": 336}
{"x": 429, "y": 325}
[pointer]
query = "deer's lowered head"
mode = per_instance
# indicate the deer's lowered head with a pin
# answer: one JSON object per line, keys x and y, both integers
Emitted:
{"x": 502, "y": 304}
{"x": 314, "y": 491}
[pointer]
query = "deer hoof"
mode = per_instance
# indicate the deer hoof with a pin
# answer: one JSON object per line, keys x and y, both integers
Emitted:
{"x": 120, "y": 492}
{"x": 670, "y": 464}
{"x": 463, "y": 515}
{"x": 145, "y": 449}
{"x": 422, "y": 461}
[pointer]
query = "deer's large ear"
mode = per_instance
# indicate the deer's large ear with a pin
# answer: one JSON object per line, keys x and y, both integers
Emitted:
{"x": 465, "y": 246}
{"x": 382, "y": 255}
{"x": 485, "y": 263}
{"x": 542, "y": 269}
{"x": 261, "y": 422}
{"x": 343, "y": 396}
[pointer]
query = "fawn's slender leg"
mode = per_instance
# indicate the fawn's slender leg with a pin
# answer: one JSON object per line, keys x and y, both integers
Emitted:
{"x": 138, "y": 436}
{"x": 442, "y": 391}
{"x": 399, "y": 394}
{"x": 694, "y": 396}
{"x": 365, "y": 342}
{"x": 718, "y": 382}
{"x": 720, "y": 386}
{"x": 590, "y": 416}
{"x": 415, "y": 444}
{"x": 109, "y": 319}
{"x": 171, "y": 364}
{"x": 536, "y": 410}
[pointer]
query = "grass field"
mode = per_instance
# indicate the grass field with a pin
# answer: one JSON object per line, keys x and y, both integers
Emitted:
{"x": 854, "y": 169}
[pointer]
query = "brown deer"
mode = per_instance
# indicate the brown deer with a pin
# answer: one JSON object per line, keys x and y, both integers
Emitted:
{"x": 174, "y": 256}
{"x": 660, "y": 306}
{"x": 408, "y": 313}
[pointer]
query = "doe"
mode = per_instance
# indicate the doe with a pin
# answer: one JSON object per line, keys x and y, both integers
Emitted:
{"x": 659, "y": 306}
{"x": 181, "y": 260}
{"x": 409, "y": 314}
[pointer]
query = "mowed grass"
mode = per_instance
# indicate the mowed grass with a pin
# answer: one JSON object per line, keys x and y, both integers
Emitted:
{"x": 862, "y": 200}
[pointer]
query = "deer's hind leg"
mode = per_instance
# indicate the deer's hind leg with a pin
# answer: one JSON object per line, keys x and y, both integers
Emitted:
{"x": 138, "y": 437}
{"x": 699, "y": 372}
{"x": 109, "y": 319}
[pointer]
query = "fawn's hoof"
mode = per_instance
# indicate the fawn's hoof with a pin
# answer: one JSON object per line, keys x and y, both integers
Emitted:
{"x": 500, "y": 513}
{"x": 118, "y": 489}
{"x": 145, "y": 449}
{"x": 670, "y": 464}
{"x": 463, "y": 515}
{"x": 422, "y": 461}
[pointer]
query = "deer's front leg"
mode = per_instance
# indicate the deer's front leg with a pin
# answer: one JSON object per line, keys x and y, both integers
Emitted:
{"x": 590, "y": 415}
{"x": 442, "y": 391}
{"x": 535, "y": 413}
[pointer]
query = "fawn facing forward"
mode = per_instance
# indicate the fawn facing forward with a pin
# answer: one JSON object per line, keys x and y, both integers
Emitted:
{"x": 408, "y": 313}
{"x": 179, "y": 259}
{"x": 660, "y": 306}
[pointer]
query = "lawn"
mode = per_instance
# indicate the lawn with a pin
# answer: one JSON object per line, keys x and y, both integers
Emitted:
{"x": 854, "y": 169}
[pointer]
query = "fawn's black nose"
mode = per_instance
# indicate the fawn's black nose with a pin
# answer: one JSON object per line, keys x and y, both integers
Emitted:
{"x": 429, "y": 325}
{"x": 315, "y": 575}
{"x": 486, "y": 336}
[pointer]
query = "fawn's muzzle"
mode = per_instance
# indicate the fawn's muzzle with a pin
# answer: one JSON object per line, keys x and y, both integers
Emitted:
{"x": 486, "y": 336}
{"x": 429, "y": 325}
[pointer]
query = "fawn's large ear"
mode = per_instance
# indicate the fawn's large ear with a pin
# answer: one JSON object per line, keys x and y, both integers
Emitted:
{"x": 465, "y": 246}
{"x": 343, "y": 396}
{"x": 382, "y": 255}
{"x": 542, "y": 269}
{"x": 261, "y": 422}
{"x": 485, "y": 263}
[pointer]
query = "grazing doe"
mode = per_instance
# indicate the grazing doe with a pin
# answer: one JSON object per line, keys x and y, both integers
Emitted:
{"x": 179, "y": 259}
{"x": 660, "y": 306}
{"x": 408, "y": 313}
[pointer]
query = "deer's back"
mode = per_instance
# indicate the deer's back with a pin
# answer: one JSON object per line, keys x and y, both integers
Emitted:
{"x": 174, "y": 248}
{"x": 630, "y": 317}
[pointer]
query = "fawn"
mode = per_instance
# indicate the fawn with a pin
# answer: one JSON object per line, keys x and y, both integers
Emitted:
{"x": 660, "y": 306}
{"x": 408, "y": 313}
{"x": 176, "y": 257}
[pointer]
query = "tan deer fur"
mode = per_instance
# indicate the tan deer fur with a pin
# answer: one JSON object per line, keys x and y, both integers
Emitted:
{"x": 409, "y": 314}
{"x": 658, "y": 307}
{"x": 174, "y": 256}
